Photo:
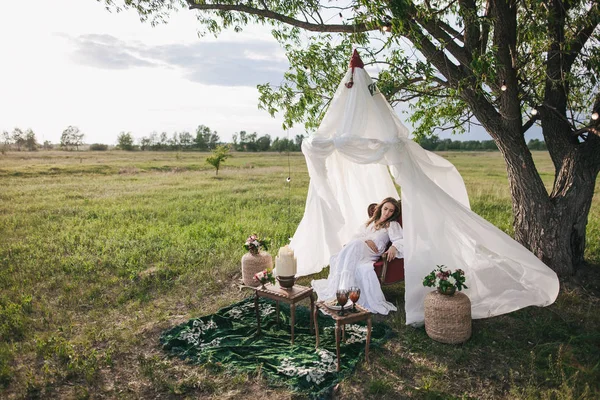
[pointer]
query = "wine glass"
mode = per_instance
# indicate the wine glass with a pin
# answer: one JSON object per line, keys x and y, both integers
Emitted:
{"x": 342, "y": 299}
{"x": 354, "y": 296}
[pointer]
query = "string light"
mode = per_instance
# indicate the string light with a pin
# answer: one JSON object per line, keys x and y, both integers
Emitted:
{"x": 503, "y": 87}
{"x": 341, "y": 16}
{"x": 595, "y": 115}
{"x": 307, "y": 69}
{"x": 534, "y": 111}
{"x": 387, "y": 24}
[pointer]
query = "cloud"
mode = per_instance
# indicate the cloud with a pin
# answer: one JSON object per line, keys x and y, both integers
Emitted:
{"x": 106, "y": 52}
{"x": 222, "y": 63}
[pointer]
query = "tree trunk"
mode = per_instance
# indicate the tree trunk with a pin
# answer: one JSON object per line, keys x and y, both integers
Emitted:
{"x": 554, "y": 230}
{"x": 553, "y": 227}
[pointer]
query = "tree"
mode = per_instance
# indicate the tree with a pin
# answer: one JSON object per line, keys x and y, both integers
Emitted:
{"x": 18, "y": 138}
{"x": 205, "y": 138}
{"x": 186, "y": 139}
{"x": 247, "y": 141}
{"x": 298, "y": 142}
{"x": 219, "y": 155}
{"x": 98, "y": 147}
{"x": 503, "y": 64}
{"x": 282, "y": 145}
{"x": 243, "y": 140}
{"x": 214, "y": 140}
{"x": 428, "y": 142}
{"x": 489, "y": 145}
{"x": 125, "y": 141}
{"x": 71, "y": 137}
{"x": 6, "y": 138}
{"x": 30, "y": 140}
{"x": 163, "y": 141}
{"x": 250, "y": 142}
{"x": 536, "y": 144}
{"x": 263, "y": 143}
{"x": 146, "y": 143}
{"x": 174, "y": 142}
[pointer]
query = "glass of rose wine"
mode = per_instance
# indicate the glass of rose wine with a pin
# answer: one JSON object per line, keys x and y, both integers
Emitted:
{"x": 342, "y": 299}
{"x": 354, "y": 295}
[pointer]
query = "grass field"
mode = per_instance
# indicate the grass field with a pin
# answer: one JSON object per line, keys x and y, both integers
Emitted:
{"x": 102, "y": 251}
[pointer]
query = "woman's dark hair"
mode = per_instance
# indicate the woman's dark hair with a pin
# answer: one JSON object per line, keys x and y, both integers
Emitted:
{"x": 377, "y": 213}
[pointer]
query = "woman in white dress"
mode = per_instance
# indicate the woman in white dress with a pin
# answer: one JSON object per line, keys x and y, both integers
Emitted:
{"x": 353, "y": 265}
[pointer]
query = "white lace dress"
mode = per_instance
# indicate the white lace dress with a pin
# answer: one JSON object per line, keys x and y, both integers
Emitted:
{"x": 353, "y": 266}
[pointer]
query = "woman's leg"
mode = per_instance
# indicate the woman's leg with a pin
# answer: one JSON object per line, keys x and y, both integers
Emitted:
{"x": 342, "y": 274}
{"x": 371, "y": 295}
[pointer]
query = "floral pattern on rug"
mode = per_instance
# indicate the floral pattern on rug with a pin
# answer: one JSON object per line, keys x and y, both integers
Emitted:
{"x": 229, "y": 338}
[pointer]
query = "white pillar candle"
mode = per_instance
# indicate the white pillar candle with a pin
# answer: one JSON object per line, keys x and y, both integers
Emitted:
{"x": 285, "y": 262}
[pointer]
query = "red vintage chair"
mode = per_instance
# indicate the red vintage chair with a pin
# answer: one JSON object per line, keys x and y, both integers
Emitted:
{"x": 393, "y": 271}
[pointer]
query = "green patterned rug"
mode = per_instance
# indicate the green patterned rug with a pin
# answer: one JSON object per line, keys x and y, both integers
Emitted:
{"x": 229, "y": 337}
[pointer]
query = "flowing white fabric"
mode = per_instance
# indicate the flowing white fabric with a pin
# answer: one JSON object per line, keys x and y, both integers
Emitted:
{"x": 360, "y": 145}
{"x": 353, "y": 266}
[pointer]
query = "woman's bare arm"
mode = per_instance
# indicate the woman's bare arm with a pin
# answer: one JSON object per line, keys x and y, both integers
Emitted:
{"x": 372, "y": 245}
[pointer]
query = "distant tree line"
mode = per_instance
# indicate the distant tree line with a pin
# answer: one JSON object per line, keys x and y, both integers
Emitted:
{"x": 251, "y": 142}
{"x": 206, "y": 139}
{"x": 203, "y": 140}
{"x": 21, "y": 140}
{"x": 434, "y": 143}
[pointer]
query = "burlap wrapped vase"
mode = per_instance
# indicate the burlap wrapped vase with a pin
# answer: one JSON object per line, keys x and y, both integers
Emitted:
{"x": 254, "y": 263}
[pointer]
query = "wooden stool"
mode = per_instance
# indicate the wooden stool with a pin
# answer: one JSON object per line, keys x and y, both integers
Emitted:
{"x": 340, "y": 325}
{"x": 290, "y": 296}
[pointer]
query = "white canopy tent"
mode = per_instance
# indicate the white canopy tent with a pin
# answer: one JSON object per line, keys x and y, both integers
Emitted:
{"x": 360, "y": 148}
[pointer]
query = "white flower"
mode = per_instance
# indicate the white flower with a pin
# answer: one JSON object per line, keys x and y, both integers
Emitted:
{"x": 316, "y": 373}
{"x": 267, "y": 309}
{"x": 451, "y": 280}
{"x": 214, "y": 343}
{"x": 235, "y": 313}
{"x": 357, "y": 333}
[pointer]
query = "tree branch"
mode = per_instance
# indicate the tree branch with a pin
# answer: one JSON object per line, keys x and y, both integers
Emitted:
{"x": 593, "y": 129}
{"x": 446, "y": 40}
{"x": 437, "y": 57}
{"x": 450, "y": 30}
{"x": 357, "y": 28}
{"x": 581, "y": 38}
{"x": 485, "y": 28}
{"x": 468, "y": 11}
{"x": 529, "y": 124}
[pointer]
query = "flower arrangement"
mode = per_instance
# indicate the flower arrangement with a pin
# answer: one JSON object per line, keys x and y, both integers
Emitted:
{"x": 264, "y": 276}
{"x": 444, "y": 280}
{"x": 254, "y": 244}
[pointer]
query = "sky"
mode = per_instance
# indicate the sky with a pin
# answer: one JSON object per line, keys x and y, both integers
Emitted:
{"x": 71, "y": 62}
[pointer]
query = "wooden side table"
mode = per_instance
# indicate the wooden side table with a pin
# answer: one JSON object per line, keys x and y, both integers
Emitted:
{"x": 290, "y": 296}
{"x": 340, "y": 325}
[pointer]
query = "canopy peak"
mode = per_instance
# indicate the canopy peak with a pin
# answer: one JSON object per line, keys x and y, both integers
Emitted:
{"x": 355, "y": 61}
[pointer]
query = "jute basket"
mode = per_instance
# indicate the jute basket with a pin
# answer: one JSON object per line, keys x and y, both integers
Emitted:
{"x": 252, "y": 264}
{"x": 448, "y": 318}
